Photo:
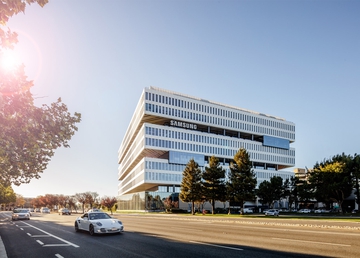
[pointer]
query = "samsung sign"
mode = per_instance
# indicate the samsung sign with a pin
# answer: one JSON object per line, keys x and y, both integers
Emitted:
{"x": 183, "y": 124}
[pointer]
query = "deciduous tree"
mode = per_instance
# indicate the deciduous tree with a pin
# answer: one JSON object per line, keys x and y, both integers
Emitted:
{"x": 108, "y": 202}
{"x": 29, "y": 135}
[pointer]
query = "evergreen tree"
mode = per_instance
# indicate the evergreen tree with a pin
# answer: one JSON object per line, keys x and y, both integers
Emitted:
{"x": 190, "y": 187}
{"x": 264, "y": 193}
{"x": 214, "y": 182}
{"x": 242, "y": 180}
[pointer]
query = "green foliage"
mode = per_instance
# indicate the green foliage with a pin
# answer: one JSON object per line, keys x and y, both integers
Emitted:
{"x": 29, "y": 134}
{"x": 190, "y": 187}
{"x": 7, "y": 194}
{"x": 242, "y": 181}
{"x": 214, "y": 188}
{"x": 264, "y": 193}
{"x": 331, "y": 180}
{"x": 272, "y": 191}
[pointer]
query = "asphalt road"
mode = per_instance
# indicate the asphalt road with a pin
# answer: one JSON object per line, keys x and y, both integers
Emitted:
{"x": 51, "y": 235}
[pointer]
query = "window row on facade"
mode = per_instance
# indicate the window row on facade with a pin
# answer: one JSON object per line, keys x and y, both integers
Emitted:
{"x": 219, "y": 121}
{"x": 174, "y": 177}
{"x": 213, "y": 140}
{"x": 211, "y": 150}
{"x": 216, "y": 111}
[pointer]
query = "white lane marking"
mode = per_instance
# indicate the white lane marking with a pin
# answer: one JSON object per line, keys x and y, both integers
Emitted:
{"x": 41, "y": 243}
{"x": 59, "y": 256}
{"x": 28, "y": 234}
{"x": 221, "y": 246}
{"x": 55, "y": 245}
{"x": 312, "y": 242}
{"x": 40, "y": 236}
{"x": 63, "y": 240}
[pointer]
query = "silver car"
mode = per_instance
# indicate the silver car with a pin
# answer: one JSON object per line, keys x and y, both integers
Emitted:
{"x": 272, "y": 212}
{"x": 20, "y": 214}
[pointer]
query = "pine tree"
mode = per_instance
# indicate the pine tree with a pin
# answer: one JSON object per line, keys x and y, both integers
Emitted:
{"x": 214, "y": 182}
{"x": 242, "y": 181}
{"x": 190, "y": 188}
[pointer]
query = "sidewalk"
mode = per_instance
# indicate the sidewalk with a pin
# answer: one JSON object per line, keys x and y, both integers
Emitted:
{"x": 2, "y": 249}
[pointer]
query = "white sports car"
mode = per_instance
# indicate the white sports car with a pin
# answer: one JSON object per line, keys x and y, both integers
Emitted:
{"x": 98, "y": 223}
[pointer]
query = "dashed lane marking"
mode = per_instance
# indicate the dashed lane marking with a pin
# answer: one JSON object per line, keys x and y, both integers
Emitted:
{"x": 47, "y": 233}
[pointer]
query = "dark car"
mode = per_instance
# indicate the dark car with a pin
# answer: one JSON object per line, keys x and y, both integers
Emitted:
{"x": 64, "y": 211}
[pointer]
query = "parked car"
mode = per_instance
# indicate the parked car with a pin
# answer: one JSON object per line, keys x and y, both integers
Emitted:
{"x": 248, "y": 210}
{"x": 304, "y": 211}
{"x": 20, "y": 214}
{"x": 37, "y": 209}
{"x": 98, "y": 223}
{"x": 64, "y": 211}
{"x": 320, "y": 211}
{"x": 272, "y": 212}
{"x": 45, "y": 210}
{"x": 355, "y": 211}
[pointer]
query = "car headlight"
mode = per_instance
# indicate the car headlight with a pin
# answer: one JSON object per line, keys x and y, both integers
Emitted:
{"x": 119, "y": 222}
{"x": 98, "y": 224}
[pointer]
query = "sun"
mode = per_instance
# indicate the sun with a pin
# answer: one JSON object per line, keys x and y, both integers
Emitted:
{"x": 9, "y": 59}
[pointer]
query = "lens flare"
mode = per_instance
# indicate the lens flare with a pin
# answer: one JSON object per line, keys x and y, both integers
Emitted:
{"x": 9, "y": 59}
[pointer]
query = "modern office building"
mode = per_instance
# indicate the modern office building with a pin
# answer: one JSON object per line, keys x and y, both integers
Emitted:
{"x": 167, "y": 129}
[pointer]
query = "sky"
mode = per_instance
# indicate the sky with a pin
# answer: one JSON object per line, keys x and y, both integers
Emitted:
{"x": 299, "y": 60}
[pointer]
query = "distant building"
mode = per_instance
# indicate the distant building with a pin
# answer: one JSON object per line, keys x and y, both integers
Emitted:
{"x": 168, "y": 129}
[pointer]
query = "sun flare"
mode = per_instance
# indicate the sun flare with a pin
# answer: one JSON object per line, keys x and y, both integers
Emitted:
{"x": 9, "y": 59}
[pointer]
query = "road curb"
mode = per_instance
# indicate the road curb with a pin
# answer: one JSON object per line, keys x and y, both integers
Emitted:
{"x": 2, "y": 249}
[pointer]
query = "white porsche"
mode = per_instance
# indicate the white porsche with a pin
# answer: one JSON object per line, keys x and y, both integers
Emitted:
{"x": 98, "y": 223}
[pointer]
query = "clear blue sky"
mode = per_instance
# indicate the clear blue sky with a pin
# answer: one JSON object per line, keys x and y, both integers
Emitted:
{"x": 299, "y": 60}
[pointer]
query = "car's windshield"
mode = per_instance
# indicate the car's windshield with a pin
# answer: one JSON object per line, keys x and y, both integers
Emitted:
{"x": 21, "y": 211}
{"x": 94, "y": 216}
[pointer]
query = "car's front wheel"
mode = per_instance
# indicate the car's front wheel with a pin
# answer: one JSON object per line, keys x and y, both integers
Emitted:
{"x": 91, "y": 230}
{"x": 76, "y": 227}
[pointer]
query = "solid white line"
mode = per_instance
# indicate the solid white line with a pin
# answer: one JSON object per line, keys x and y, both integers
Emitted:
{"x": 313, "y": 242}
{"x": 40, "y": 236}
{"x": 59, "y": 256}
{"x": 55, "y": 245}
{"x": 221, "y": 246}
{"x": 41, "y": 243}
{"x": 63, "y": 240}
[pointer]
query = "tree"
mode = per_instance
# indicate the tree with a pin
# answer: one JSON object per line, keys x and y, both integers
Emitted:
{"x": 264, "y": 193}
{"x": 81, "y": 198}
{"x": 108, "y": 202}
{"x": 190, "y": 187}
{"x": 214, "y": 188}
{"x": 291, "y": 190}
{"x": 29, "y": 134}
{"x": 91, "y": 198}
{"x": 332, "y": 180}
{"x": 355, "y": 168}
{"x": 7, "y": 195}
{"x": 272, "y": 191}
{"x": 242, "y": 181}
{"x": 20, "y": 201}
